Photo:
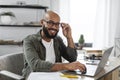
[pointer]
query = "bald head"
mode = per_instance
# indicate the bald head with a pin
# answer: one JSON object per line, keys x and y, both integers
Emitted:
{"x": 50, "y": 15}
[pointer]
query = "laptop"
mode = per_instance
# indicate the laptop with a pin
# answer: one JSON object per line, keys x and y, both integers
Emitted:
{"x": 93, "y": 70}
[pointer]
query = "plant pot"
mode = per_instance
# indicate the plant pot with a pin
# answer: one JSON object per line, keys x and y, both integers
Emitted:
{"x": 6, "y": 19}
{"x": 80, "y": 46}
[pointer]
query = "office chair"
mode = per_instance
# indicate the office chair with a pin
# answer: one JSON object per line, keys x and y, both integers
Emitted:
{"x": 11, "y": 66}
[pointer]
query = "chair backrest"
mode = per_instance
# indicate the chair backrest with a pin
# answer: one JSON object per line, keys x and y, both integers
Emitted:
{"x": 12, "y": 62}
{"x": 117, "y": 47}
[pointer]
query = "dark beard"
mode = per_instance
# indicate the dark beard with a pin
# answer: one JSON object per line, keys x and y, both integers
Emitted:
{"x": 45, "y": 30}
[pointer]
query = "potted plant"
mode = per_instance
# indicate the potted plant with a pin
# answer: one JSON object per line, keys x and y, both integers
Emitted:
{"x": 7, "y": 14}
{"x": 81, "y": 41}
{"x": 7, "y": 17}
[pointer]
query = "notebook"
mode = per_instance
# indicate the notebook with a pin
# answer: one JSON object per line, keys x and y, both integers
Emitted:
{"x": 92, "y": 70}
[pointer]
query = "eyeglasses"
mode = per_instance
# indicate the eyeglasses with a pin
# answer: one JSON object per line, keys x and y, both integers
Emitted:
{"x": 52, "y": 23}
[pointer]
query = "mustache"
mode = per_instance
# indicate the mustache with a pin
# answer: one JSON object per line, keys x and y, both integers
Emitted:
{"x": 52, "y": 29}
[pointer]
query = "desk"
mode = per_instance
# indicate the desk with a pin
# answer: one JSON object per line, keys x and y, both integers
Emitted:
{"x": 110, "y": 72}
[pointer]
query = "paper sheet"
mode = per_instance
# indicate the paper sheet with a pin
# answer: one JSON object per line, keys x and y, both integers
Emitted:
{"x": 46, "y": 76}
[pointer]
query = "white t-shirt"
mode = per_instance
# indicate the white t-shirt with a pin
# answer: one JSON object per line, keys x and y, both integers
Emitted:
{"x": 50, "y": 53}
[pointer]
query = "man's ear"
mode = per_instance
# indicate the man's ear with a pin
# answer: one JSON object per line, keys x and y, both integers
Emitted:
{"x": 42, "y": 22}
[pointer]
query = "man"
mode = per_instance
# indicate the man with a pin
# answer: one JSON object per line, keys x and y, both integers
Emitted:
{"x": 43, "y": 51}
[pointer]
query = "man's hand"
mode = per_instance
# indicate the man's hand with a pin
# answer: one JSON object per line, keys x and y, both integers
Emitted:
{"x": 69, "y": 66}
{"x": 66, "y": 30}
{"x": 75, "y": 65}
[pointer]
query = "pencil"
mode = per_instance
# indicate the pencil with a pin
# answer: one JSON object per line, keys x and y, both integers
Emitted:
{"x": 69, "y": 76}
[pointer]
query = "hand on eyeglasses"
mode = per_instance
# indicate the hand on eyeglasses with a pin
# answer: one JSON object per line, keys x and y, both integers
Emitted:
{"x": 66, "y": 30}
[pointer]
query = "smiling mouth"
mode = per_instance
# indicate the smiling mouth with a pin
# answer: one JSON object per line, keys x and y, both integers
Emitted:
{"x": 52, "y": 30}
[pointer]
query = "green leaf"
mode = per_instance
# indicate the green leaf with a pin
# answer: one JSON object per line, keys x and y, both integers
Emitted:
{"x": 7, "y": 13}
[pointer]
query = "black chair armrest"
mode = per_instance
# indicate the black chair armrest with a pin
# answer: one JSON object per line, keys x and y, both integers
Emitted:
{"x": 11, "y": 75}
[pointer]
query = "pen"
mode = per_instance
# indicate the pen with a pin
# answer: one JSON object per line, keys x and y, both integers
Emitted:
{"x": 69, "y": 76}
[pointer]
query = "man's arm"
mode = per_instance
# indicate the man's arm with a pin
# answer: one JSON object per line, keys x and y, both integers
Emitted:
{"x": 68, "y": 52}
{"x": 70, "y": 42}
{"x": 68, "y": 34}
{"x": 68, "y": 66}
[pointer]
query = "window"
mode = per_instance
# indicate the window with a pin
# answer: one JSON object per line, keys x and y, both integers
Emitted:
{"x": 82, "y": 18}
{"x": 92, "y": 18}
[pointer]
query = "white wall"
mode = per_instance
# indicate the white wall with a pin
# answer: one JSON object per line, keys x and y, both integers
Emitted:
{"x": 22, "y": 15}
{"x": 55, "y": 6}
{"x": 107, "y": 21}
{"x": 15, "y": 1}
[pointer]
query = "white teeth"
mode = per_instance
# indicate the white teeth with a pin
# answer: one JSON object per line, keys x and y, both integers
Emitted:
{"x": 52, "y": 31}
